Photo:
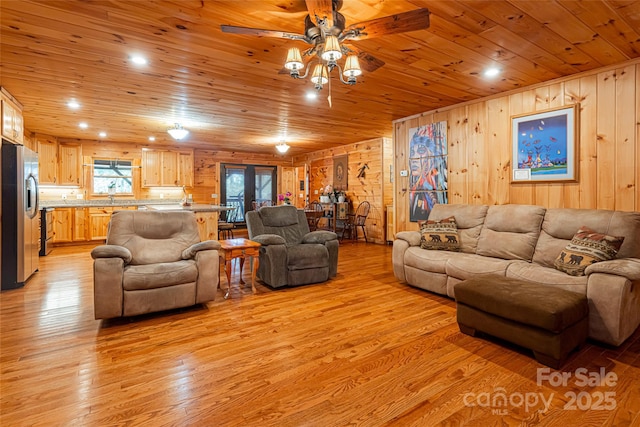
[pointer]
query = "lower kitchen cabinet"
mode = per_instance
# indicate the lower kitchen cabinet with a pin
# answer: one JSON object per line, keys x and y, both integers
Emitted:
{"x": 82, "y": 224}
{"x": 69, "y": 225}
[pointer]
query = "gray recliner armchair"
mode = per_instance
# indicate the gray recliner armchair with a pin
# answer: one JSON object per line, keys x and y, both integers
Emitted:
{"x": 291, "y": 255}
{"x": 153, "y": 261}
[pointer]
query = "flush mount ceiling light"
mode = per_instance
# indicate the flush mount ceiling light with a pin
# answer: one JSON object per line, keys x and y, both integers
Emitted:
{"x": 177, "y": 131}
{"x": 491, "y": 72}
{"x": 282, "y": 147}
{"x": 139, "y": 60}
{"x": 325, "y": 31}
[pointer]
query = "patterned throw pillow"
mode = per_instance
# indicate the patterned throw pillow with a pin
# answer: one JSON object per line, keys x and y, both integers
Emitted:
{"x": 440, "y": 235}
{"x": 585, "y": 248}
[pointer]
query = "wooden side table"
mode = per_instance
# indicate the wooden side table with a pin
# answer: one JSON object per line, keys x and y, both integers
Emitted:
{"x": 239, "y": 248}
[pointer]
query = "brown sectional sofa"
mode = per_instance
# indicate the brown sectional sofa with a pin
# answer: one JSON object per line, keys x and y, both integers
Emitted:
{"x": 522, "y": 242}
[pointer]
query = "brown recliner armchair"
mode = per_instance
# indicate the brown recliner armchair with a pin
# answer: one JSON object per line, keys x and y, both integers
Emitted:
{"x": 290, "y": 254}
{"x": 153, "y": 261}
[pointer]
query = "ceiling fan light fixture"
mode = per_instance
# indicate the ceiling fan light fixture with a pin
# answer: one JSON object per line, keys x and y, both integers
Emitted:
{"x": 294, "y": 59}
{"x": 177, "y": 132}
{"x": 332, "y": 51}
{"x": 352, "y": 67}
{"x": 320, "y": 75}
{"x": 282, "y": 147}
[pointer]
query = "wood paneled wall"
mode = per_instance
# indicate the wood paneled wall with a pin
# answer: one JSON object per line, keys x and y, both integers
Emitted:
{"x": 375, "y": 153}
{"x": 480, "y": 145}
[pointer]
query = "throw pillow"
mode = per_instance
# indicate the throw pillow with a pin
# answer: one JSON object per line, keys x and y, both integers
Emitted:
{"x": 585, "y": 248}
{"x": 440, "y": 235}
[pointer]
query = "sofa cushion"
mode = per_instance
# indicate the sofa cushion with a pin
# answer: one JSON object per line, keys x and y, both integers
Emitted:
{"x": 561, "y": 224}
{"x": 310, "y": 255}
{"x": 470, "y": 265}
{"x": 510, "y": 231}
{"x": 440, "y": 235}
{"x": 587, "y": 247}
{"x": 160, "y": 275}
{"x": 469, "y": 220}
{"x": 533, "y": 272}
{"x": 433, "y": 261}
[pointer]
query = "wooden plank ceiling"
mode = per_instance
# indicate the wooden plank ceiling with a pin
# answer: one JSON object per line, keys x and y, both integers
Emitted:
{"x": 227, "y": 89}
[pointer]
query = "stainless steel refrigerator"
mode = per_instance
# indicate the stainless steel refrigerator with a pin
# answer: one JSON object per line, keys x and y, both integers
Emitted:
{"x": 20, "y": 215}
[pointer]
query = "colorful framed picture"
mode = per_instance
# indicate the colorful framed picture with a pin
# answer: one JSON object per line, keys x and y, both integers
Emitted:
{"x": 428, "y": 173}
{"x": 544, "y": 146}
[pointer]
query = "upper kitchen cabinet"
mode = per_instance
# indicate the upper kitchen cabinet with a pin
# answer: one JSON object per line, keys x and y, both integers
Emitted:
{"x": 166, "y": 168}
{"x": 70, "y": 171}
{"x": 60, "y": 163}
{"x": 12, "y": 124}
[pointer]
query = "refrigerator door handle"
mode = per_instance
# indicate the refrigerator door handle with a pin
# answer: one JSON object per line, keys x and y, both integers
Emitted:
{"x": 32, "y": 211}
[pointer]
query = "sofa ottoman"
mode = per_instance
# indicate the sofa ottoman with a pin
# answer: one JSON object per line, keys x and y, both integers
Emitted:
{"x": 552, "y": 322}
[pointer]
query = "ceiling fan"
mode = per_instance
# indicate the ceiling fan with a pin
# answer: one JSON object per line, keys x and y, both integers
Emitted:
{"x": 325, "y": 30}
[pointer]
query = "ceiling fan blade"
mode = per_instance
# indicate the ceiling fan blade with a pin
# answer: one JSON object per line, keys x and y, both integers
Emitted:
{"x": 321, "y": 12}
{"x": 262, "y": 33}
{"x": 393, "y": 24}
{"x": 368, "y": 63}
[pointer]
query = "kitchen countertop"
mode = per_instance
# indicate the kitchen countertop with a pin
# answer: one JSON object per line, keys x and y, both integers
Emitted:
{"x": 195, "y": 207}
{"x": 78, "y": 203}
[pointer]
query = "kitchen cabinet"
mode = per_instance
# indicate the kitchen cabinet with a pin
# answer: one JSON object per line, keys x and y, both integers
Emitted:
{"x": 47, "y": 160}
{"x": 70, "y": 170}
{"x": 69, "y": 225}
{"x": 79, "y": 233}
{"x": 185, "y": 168}
{"x": 60, "y": 164}
{"x": 166, "y": 168}
{"x": 12, "y": 123}
{"x": 63, "y": 225}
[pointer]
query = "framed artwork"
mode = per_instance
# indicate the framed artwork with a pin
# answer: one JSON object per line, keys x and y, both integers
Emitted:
{"x": 340, "y": 172}
{"x": 544, "y": 146}
{"x": 427, "y": 169}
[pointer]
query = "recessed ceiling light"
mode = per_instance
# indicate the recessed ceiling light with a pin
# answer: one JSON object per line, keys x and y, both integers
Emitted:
{"x": 83, "y": 125}
{"x": 152, "y": 138}
{"x": 139, "y": 60}
{"x": 102, "y": 134}
{"x": 73, "y": 105}
{"x": 491, "y": 72}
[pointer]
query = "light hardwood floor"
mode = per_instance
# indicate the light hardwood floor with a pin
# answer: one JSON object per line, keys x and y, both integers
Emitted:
{"x": 361, "y": 349}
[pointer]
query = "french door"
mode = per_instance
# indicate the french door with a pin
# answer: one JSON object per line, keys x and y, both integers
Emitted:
{"x": 245, "y": 185}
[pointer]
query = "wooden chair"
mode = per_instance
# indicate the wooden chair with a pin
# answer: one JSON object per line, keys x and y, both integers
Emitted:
{"x": 314, "y": 212}
{"x": 355, "y": 220}
{"x": 226, "y": 226}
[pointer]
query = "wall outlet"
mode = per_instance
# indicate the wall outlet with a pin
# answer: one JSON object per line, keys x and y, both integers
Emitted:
{"x": 214, "y": 196}
{"x": 162, "y": 195}
{"x": 404, "y": 172}
{"x": 64, "y": 197}
{"x": 315, "y": 191}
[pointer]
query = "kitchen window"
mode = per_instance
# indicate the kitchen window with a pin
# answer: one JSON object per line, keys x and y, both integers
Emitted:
{"x": 112, "y": 176}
